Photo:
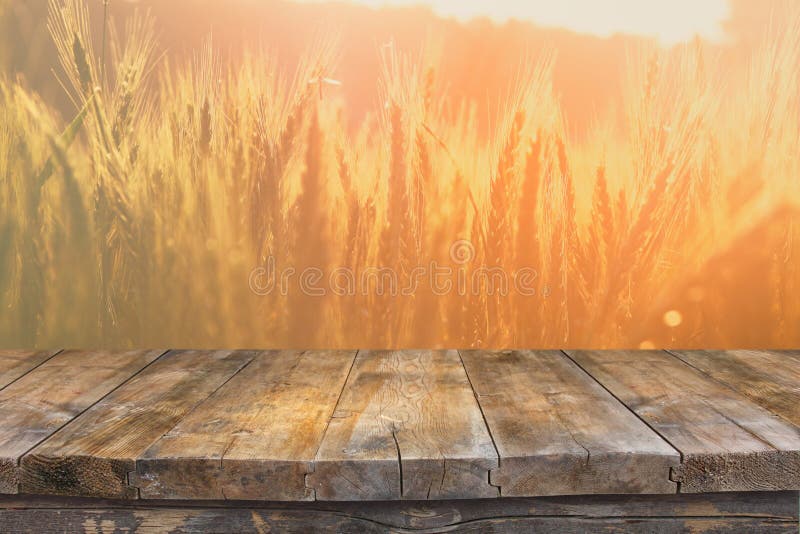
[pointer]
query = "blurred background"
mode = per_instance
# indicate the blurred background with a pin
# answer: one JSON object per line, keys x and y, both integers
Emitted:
{"x": 163, "y": 162}
{"x": 588, "y": 74}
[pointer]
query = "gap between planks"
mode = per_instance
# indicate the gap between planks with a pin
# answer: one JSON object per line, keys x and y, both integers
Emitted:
{"x": 253, "y": 438}
{"x": 15, "y": 446}
{"x": 407, "y": 426}
{"x": 10, "y": 373}
{"x": 557, "y": 432}
{"x": 310, "y": 479}
{"x": 631, "y": 410}
{"x": 316, "y": 453}
{"x": 488, "y": 428}
{"x": 727, "y": 441}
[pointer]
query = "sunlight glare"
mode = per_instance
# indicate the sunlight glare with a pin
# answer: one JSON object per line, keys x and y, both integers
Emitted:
{"x": 671, "y": 22}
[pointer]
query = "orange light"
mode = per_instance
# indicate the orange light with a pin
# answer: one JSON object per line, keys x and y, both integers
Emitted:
{"x": 670, "y": 22}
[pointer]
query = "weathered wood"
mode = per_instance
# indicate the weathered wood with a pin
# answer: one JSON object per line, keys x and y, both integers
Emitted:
{"x": 769, "y": 378}
{"x": 559, "y": 433}
{"x": 407, "y": 426}
{"x": 728, "y": 443}
{"x": 94, "y": 453}
{"x": 15, "y": 363}
{"x": 39, "y": 403}
{"x": 255, "y": 438}
{"x": 717, "y": 513}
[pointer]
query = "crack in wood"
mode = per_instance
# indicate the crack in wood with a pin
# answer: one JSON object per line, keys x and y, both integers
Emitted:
{"x": 410, "y": 399}
{"x": 399, "y": 460}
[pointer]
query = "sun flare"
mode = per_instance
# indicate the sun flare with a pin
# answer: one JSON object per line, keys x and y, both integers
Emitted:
{"x": 275, "y": 173}
{"x": 670, "y": 22}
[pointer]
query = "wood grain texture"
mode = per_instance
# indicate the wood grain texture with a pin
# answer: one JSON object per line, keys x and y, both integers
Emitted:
{"x": 728, "y": 443}
{"x": 36, "y": 405}
{"x": 407, "y": 427}
{"x": 769, "y": 378}
{"x": 255, "y": 438}
{"x": 94, "y": 453}
{"x": 15, "y": 363}
{"x": 559, "y": 433}
{"x": 717, "y": 513}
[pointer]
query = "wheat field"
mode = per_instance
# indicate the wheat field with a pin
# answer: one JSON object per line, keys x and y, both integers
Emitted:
{"x": 156, "y": 214}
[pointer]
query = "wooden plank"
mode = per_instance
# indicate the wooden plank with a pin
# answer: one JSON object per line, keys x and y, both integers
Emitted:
{"x": 407, "y": 426}
{"x": 769, "y": 378}
{"x": 236, "y": 521}
{"x": 36, "y": 405}
{"x": 94, "y": 453}
{"x": 769, "y": 512}
{"x": 728, "y": 443}
{"x": 255, "y": 438}
{"x": 560, "y": 433}
{"x": 15, "y": 363}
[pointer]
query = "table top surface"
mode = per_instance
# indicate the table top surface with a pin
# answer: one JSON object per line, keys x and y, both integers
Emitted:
{"x": 296, "y": 425}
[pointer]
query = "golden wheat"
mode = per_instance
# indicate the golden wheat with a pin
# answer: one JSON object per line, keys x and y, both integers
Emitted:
{"x": 140, "y": 220}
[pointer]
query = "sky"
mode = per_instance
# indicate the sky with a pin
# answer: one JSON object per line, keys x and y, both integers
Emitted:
{"x": 670, "y": 21}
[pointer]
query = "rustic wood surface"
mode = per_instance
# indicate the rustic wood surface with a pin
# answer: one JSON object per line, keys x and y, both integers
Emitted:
{"x": 728, "y": 443}
{"x": 560, "y": 433}
{"x": 407, "y": 426}
{"x": 768, "y": 512}
{"x": 770, "y": 378}
{"x": 94, "y": 453}
{"x": 396, "y": 425}
{"x": 255, "y": 438}
{"x": 15, "y": 363}
{"x": 39, "y": 403}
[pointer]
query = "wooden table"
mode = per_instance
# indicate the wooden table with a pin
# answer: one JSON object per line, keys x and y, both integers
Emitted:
{"x": 561, "y": 441}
